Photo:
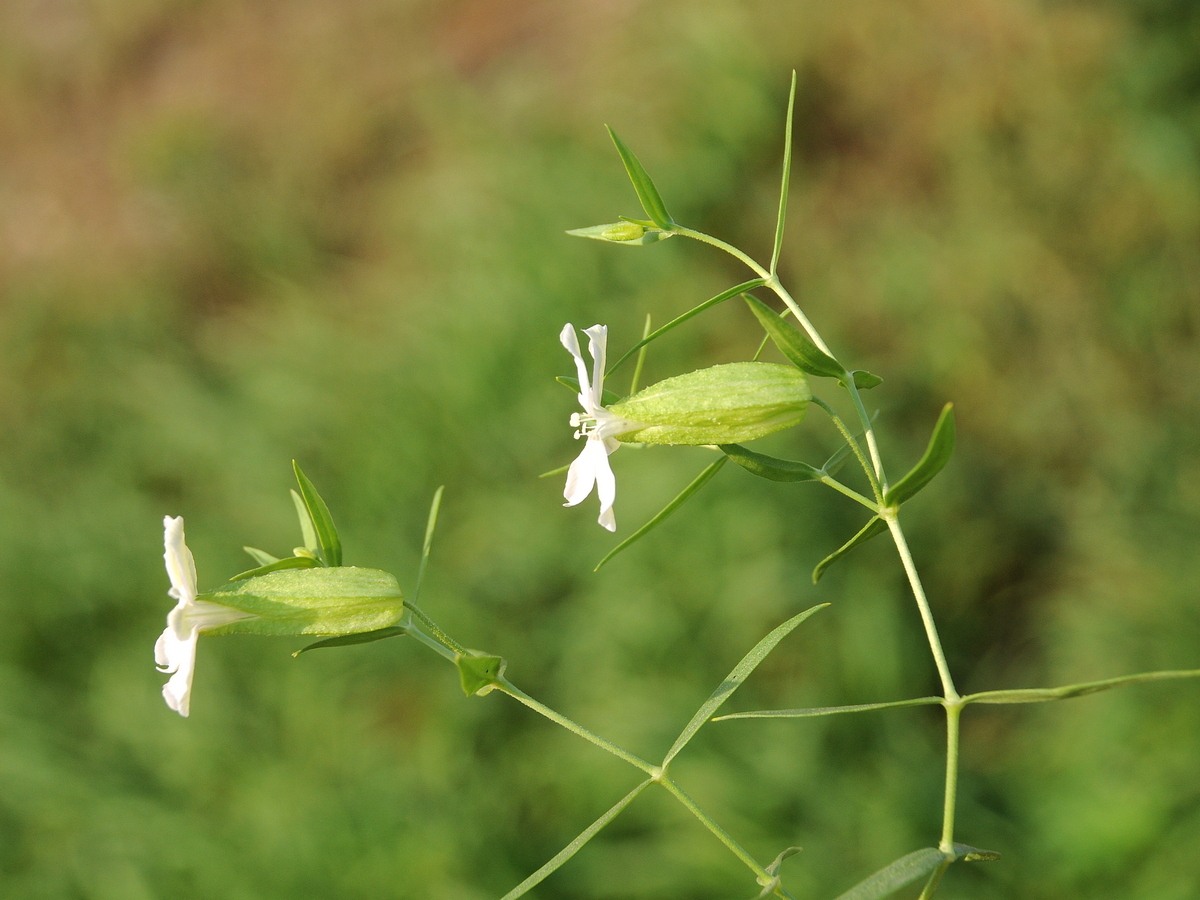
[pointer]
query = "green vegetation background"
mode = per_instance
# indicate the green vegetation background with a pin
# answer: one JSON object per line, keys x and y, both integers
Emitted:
{"x": 239, "y": 232}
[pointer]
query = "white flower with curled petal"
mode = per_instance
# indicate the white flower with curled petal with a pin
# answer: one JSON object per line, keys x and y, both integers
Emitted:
{"x": 596, "y": 424}
{"x": 175, "y": 651}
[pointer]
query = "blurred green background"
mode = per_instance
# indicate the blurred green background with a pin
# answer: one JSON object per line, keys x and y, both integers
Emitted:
{"x": 233, "y": 233}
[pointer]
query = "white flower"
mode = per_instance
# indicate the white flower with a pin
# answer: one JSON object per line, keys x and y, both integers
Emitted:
{"x": 596, "y": 424}
{"x": 175, "y": 651}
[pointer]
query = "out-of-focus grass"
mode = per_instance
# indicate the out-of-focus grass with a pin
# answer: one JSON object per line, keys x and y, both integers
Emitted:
{"x": 236, "y": 233}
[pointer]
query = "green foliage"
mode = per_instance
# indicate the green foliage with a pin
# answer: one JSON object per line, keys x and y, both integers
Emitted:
{"x": 770, "y": 467}
{"x": 874, "y": 526}
{"x": 328, "y": 545}
{"x": 647, "y": 193}
{"x": 937, "y": 454}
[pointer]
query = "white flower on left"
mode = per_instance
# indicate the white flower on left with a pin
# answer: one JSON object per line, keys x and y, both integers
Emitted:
{"x": 175, "y": 651}
{"x": 597, "y": 424}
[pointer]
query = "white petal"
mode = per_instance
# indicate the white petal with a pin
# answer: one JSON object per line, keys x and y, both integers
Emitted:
{"x": 606, "y": 484}
{"x": 570, "y": 340}
{"x": 598, "y": 347}
{"x": 580, "y": 477}
{"x": 181, "y": 568}
{"x": 178, "y": 690}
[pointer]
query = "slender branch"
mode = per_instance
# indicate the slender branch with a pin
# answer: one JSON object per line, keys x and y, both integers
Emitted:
{"x": 433, "y": 626}
{"x": 721, "y": 834}
{"x": 934, "y": 880}
{"x": 953, "y": 711}
{"x": 852, "y": 443}
{"x": 575, "y": 728}
{"x": 437, "y": 646}
{"x": 914, "y": 581}
{"x": 850, "y": 492}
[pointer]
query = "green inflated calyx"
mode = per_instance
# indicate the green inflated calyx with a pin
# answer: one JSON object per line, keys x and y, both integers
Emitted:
{"x": 724, "y": 404}
{"x": 480, "y": 672}
{"x": 337, "y": 600}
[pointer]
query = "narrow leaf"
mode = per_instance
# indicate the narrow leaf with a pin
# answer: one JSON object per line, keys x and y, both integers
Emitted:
{"x": 308, "y": 533}
{"x": 734, "y": 680}
{"x": 608, "y": 398}
{"x": 937, "y": 454}
{"x": 261, "y": 557}
{"x": 647, "y": 193}
{"x": 346, "y": 640}
{"x": 288, "y": 562}
{"x": 1041, "y": 695}
{"x": 794, "y": 344}
{"x": 770, "y": 885}
{"x": 641, "y": 358}
{"x": 828, "y": 710}
{"x": 631, "y": 233}
{"x": 770, "y": 467}
{"x": 576, "y": 845}
{"x": 872, "y": 528}
{"x": 327, "y": 536}
{"x": 430, "y": 526}
{"x": 695, "y": 311}
{"x": 698, "y": 482}
{"x": 905, "y": 870}
{"x": 561, "y": 470}
{"x": 787, "y": 176}
{"x": 974, "y": 854}
{"x": 864, "y": 380}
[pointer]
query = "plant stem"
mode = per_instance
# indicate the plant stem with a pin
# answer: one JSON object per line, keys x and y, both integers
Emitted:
{"x": 773, "y": 283}
{"x": 433, "y": 626}
{"x": 853, "y": 445}
{"x": 716, "y": 829}
{"x": 575, "y": 728}
{"x": 888, "y": 514}
{"x": 934, "y": 880}
{"x": 436, "y": 646}
{"x": 851, "y": 493}
{"x": 953, "y": 711}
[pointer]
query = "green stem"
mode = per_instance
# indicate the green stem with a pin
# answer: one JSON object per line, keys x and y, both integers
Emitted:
{"x": 772, "y": 282}
{"x": 436, "y": 646}
{"x": 953, "y": 711}
{"x": 721, "y": 834}
{"x": 575, "y": 728}
{"x": 851, "y": 493}
{"x": 876, "y": 488}
{"x": 433, "y": 626}
{"x": 934, "y": 880}
{"x": 888, "y": 514}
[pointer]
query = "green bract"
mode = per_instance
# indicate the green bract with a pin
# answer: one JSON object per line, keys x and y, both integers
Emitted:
{"x": 721, "y": 405}
{"x": 333, "y": 601}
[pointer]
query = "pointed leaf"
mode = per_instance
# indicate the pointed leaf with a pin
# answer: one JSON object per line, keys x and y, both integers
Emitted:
{"x": 289, "y": 562}
{"x": 346, "y": 640}
{"x": 937, "y": 454}
{"x": 770, "y": 467}
{"x": 905, "y": 870}
{"x": 787, "y": 176}
{"x": 631, "y": 233}
{"x": 329, "y": 544}
{"x": 608, "y": 398}
{"x": 735, "y": 678}
{"x": 769, "y": 885}
{"x": 261, "y": 556}
{"x": 694, "y": 311}
{"x": 794, "y": 344}
{"x": 576, "y": 845}
{"x": 872, "y": 528}
{"x": 307, "y": 532}
{"x": 698, "y": 482}
{"x": 1041, "y": 695}
{"x": 430, "y": 527}
{"x": 647, "y": 193}
{"x": 828, "y": 710}
{"x": 973, "y": 854}
{"x": 480, "y": 672}
{"x": 864, "y": 380}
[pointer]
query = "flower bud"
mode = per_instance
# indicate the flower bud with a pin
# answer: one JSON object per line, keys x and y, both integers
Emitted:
{"x": 326, "y": 601}
{"x": 721, "y": 405}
